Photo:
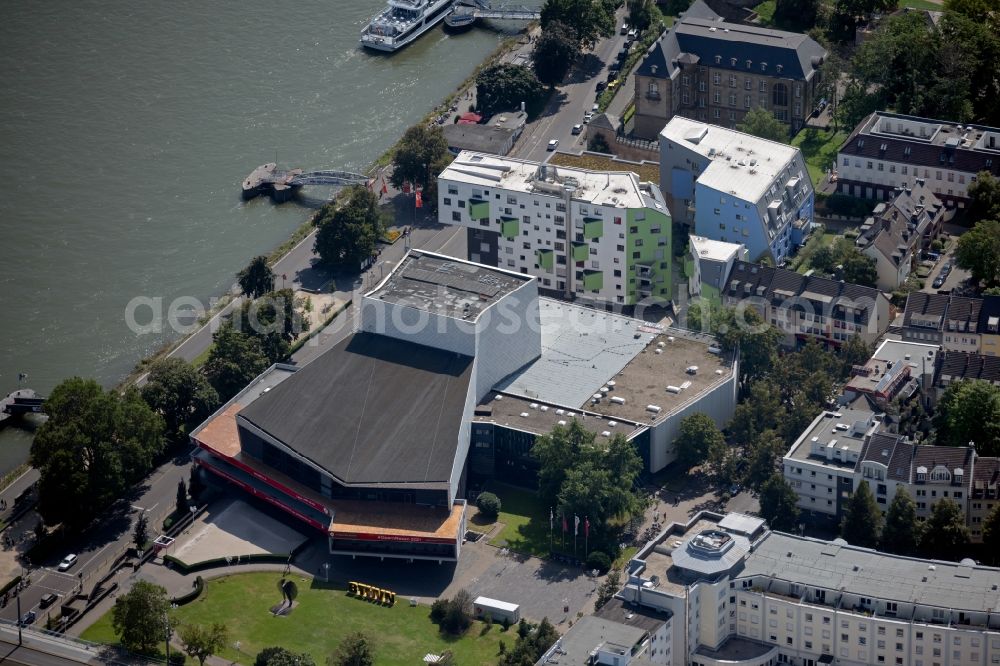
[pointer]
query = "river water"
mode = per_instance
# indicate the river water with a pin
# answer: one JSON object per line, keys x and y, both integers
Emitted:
{"x": 127, "y": 128}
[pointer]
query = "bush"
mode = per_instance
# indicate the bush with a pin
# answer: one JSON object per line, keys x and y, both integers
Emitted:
{"x": 177, "y": 659}
{"x": 489, "y": 505}
{"x": 438, "y": 610}
{"x": 598, "y": 560}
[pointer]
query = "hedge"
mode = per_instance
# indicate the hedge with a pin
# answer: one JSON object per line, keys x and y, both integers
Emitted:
{"x": 257, "y": 558}
{"x": 11, "y": 584}
{"x": 199, "y": 587}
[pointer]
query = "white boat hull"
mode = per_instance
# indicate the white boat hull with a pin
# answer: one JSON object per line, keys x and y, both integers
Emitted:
{"x": 389, "y": 44}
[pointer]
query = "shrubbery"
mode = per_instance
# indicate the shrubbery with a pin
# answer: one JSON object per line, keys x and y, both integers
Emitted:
{"x": 598, "y": 560}
{"x": 489, "y": 505}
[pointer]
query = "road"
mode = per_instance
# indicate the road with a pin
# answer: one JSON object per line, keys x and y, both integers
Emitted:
{"x": 570, "y": 102}
{"x": 102, "y": 544}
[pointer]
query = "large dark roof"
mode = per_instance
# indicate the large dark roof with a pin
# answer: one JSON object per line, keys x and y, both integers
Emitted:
{"x": 893, "y": 451}
{"x": 699, "y": 34}
{"x": 963, "y": 365}
{"x": 371, "y": 410}
{"x": 951, "y": 457}
{"x": 926, "y": 307}
{"x": 792, "y": 290}
{"x": 865, "y": 143}
{"x": 989, "y": 315}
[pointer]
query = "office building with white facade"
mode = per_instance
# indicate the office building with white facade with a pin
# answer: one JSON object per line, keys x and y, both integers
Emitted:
{"x": 890, "y": 150}
{"x": 740, "y": 594}
{"x": 600, "y": 236}
{"x": 709, "y": 264}
{"x": 736, "y": 188}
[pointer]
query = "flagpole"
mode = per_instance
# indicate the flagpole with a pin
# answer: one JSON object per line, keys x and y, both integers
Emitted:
{"x": 551, "y": 518}
{"x": 586, "y": 536}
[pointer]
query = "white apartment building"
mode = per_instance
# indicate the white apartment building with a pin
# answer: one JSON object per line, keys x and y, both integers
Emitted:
{"x": 709, "y": 265}
{"x": 740, "y": 594}
{"x": 736, "y": 188}
{"x": 820, "y": 465}
{"x": 594, "y": 235}
{"x": 890, "y": 150}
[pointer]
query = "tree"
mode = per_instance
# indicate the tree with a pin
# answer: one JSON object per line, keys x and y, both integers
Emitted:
{"x": 588, "y": 19}
{"x": 860, "y": 269}
{"x": 488, "y": 505}
{"x": 274, "y": 320}
{"x": 234, "y": 360}
{"x": 555, "y": 52}
{"x": 984, "y": 198}
{"x": 279, "y": 656}
{"x": 978, "y": 252}
{"x": 140, "y": 535}
{"x": 419, "y": 157}
{"x": 202, "y": 642}
{"x": 183, "y": 506}
{"x": 765, "y": 451}
{"x": 945, "y": 534}
{"x": 348, "y": 228}
{"x": 257, "y": 278}
{"x": 991, "y": 534}
{"x": 969, "y": 411}
{"x": 93, "y": 447}
{"x": 823, "y": 259}
{"x": 354, "y": 650}
{"x": 454, "y": 616}
{"x": 853, "y": 352}
{"x": 901, "y": 532}
{"x": 608, "y": 589}
{"x": 721, "y": 463}
{"x": 698, "y": 434}
{"x": 503, "y": 86}
{"x": 862, "y": 521}
{"x": 180, "y": 394}
{"x": 778, "y": 504}
{"x": 797, "y": 15}
{"x": 761, "y": 122}
{"x": 141, "y": 617}
{"x": 643, "y": 14}
{"x": 556, "y": 453}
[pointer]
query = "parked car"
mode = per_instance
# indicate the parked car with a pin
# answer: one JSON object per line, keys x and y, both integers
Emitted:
{"x": 47, "y": 600}
{"x": 938, "y": 281}
{"x": 601, "y": 85}
{"x": 553, "y": 144}
{"x": 28, "y": 618}
{"x": 633, "y": 34}
{"x": 577, "y": 129}
{"x": 946, "y": 268}
{"x": 67, "y": 563}
{"x": 613, "y": 84}
{"x": 613, "y": 73}
{"x": 587, "y": 117}
{"x": 596, "y": 108}
{"x": 624, "y": 29}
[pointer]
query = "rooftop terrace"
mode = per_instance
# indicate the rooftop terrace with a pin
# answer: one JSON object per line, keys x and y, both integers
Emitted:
{"x": 620, "y": 189}
{"x": 834, "y": 438}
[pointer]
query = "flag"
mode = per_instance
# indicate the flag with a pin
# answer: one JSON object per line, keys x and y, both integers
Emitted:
{"x": 419, "y": 203}
{"x": 406, "y": 187}
{"x": 385, "y": 188}
{"x": 576, "y": 524}
{"x": 565, "y": 526}
{"x": 586, "y": 527}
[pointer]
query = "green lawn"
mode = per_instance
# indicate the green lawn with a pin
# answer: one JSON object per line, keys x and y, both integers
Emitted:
{"x": 526, "y": 521}
{"x": 819, "y": 148}
{"x": 922, "y": 4}
{"x": 765, "y": 11}
{"x": 323, "y": 616}
{"x": 801, "y": 261}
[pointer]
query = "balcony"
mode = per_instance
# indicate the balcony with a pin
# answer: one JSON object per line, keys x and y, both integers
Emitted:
{"x": 593, "y": 227}
{"x": 479, "y": 209}
{"x": 580, "y": 251}
{"x": 593, "y": 280}
{"x": 546, "y": 259}
{"x": 509, "y": 227}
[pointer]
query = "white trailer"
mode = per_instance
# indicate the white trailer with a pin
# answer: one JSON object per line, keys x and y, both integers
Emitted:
{"x": 498, "y": 610}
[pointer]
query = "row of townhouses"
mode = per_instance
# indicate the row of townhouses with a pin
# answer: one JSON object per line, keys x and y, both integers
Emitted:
{"x": 726, "y": 590}
{"x": 957, "y": 323}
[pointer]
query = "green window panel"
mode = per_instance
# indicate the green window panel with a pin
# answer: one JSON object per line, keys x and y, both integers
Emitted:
{"x": 509, "y": 227}
{"x": 546, "y": 259}
{"x": 478, "y": 209}
{"x": 593, "y": 227}
{"x": 580, "y": 251}
{"x": 593, "y": 280}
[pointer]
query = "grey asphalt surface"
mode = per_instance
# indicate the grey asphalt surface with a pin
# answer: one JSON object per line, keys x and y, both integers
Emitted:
{"x": 571, "y": 100}
{"x": 10, "y": 653}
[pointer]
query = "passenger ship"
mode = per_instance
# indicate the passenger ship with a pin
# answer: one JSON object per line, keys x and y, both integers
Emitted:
{"x": 401, "y": 22}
